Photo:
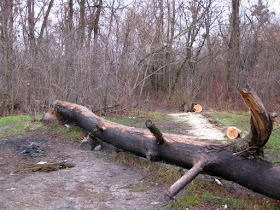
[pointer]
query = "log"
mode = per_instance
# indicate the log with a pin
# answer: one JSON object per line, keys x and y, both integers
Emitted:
{"x": 233, "y": 132}
{"x": 193, "y": 108}
{"x": 197, "y": 108}
{"x": 256, "y": 174}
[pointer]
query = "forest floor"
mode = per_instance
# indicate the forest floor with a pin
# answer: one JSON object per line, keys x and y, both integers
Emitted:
{"x": 98, "y": 180}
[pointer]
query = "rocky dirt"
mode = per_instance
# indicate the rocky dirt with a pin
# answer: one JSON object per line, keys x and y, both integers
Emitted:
{"x": 96, "y": 182}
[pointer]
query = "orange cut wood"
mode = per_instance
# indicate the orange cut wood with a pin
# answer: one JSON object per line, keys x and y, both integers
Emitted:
{"x": 233, "y": 132}
{"x": 197, "y": 108}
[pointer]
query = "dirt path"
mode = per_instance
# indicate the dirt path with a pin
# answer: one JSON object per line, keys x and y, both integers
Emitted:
{"x": 198, "y": 127}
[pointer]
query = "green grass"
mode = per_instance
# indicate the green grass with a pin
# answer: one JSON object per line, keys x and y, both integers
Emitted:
{"x": 201, "y": 195}
{"x": 73, "y": 132}
{"x": 241, "y": 120}
{"x": 137, "y": 188}
{"x": 138, "y": 118}
{"x": 24, "y": 123}
{"x": 20, "y": 123}
{"x": 4, "y": 121}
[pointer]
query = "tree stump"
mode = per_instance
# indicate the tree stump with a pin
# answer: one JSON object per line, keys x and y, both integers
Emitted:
{"x": 87, "y": 143}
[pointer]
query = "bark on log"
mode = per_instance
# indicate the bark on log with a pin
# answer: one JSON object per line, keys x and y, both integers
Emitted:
{"x": 256, "y": 174}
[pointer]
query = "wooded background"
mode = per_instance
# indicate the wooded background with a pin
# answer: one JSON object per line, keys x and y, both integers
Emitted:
{"x": 102, "y": 53}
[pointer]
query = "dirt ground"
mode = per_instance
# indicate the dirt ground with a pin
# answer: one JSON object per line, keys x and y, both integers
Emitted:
{"x": 97, "y": 181}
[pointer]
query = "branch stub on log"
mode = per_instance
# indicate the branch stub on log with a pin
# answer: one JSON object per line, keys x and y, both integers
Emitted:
{"x": 154, "y": 130}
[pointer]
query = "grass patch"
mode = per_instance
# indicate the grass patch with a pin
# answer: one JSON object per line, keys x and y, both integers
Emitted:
{"x": 155, "y": 172}
{"x": 72, "y": 132}
{"x": 137, "y": 188}
{"x": 201, "y": 195}
{"x": 25, "y": 123}
{"x": 241, "y": 120}
{"x": 19, "y": 124}
{"x": 4, "y": 121}
{"x": 137, "y": 118}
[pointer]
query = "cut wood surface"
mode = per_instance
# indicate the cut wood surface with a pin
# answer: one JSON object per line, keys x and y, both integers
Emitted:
{"x": 197, "y": 108}
{"x": 256, "y": 174}
{"x": 233, "y": 132}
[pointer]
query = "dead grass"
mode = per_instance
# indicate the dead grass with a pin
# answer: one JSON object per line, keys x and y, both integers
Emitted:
{"x": 44, "y": 168}
{"x": 155, "y": 172}
{"x": 199, "y": 194}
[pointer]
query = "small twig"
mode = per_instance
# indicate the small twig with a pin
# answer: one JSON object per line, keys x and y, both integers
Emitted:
{"x": 247, "y": 149}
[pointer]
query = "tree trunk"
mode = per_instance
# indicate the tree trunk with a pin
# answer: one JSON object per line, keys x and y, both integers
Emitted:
{"x": 96, "y": 23}
{"x": 218, "y": 160}
{"x": 31, "y": 25}
{"x": 44, "y": 24}
{"x": 81, "y": 31}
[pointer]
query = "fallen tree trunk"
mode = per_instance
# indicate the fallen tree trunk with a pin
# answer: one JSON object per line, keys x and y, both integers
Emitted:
{"x": 256, "y": 174}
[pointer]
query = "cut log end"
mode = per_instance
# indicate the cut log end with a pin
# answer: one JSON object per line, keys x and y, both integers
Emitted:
{"x": 193, "y": 108}
{"x": 197, "y": 108}
{"x": 233, "y": 133}
{"x": 148, "y": 123}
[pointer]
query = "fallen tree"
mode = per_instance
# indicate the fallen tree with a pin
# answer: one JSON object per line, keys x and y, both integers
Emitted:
{"x": 238, "y": 162}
